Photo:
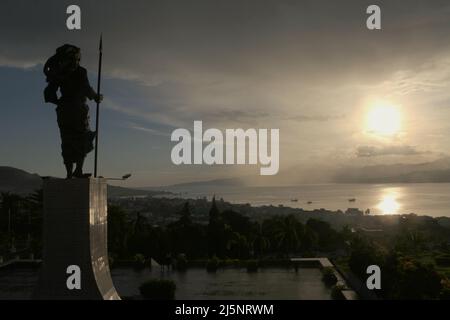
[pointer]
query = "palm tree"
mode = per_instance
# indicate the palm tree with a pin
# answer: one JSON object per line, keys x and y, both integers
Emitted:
{"x": 10, "y": 205}
{"x": 37, "y": 198}
{"x": 34, "y": 204}
{"x": 6, "y": 208}
{"x": 259, "y": 241}
{"x": 285, "y": 233}
{"x": 237, "y": 245}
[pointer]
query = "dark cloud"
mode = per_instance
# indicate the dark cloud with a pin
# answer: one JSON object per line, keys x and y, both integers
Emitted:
{"x": 166, "y": 39}
{"x": 373, "y": 151}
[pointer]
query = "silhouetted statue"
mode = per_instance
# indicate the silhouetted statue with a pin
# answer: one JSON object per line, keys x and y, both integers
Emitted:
{"x": 64, "y": 72}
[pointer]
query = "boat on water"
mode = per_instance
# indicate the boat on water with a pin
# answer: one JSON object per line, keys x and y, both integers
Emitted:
{"x": 309, "y": 202}
{"x": 352, "y": 200}
{"x": 294, "y": 200}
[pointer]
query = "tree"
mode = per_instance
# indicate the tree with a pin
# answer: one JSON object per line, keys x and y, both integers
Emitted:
{"x": 10, "y": 207}
{"x": 412, "y": 280}
{"x": 217, "y": 232}
{"x": 328, "y": 238}
{"x": 10, "y": 217}
{"x": 258, "y": 240}
{"x": 185, "y": 220}
{"x": 285, "y": 233}
{"x": 362, "y": 255}
{"x": 214, "y": 213}
{"x": 238, "y": 222}
{"x": 34, "y": 205}
{"x": 238, "y": 246}
{"x": 139, "y": 237}
{"x": 185, "y": 236}
{"x": 118, "y": 230}
{"x": 410, "y": 241}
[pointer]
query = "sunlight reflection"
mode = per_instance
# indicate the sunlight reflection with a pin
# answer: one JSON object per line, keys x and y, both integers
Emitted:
{"x": 389, "y": 203}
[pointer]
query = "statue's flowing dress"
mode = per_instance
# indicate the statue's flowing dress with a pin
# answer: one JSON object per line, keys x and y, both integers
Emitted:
{"x": 73, "y": 116}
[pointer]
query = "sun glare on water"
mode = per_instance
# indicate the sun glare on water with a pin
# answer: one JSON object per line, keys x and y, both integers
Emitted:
{"x": 389, "y": 203}
{"x": 383, "y": 119}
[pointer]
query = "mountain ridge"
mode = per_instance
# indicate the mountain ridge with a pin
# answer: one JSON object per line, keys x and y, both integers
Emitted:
{"x": 21, "y": 182}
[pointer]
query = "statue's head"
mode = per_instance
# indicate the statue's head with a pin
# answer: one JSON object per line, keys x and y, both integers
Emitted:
{"x": 70, "y": 56}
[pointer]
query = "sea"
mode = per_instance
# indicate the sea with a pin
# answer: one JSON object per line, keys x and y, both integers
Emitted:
{"x": 432, "y": 199}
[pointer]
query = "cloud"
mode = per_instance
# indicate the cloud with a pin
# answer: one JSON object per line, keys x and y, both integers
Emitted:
{"x": 152, "y": 131}
{"x": 240, "y": 116}
{"x": 319, "y": 118}
{"x": 373, "y": 151}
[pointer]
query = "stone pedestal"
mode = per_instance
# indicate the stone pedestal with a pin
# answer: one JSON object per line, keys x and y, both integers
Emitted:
{"x": 75, "y": 234}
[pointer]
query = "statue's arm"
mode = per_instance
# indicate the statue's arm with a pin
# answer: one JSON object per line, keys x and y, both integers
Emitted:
{"x": 50, "y": 93}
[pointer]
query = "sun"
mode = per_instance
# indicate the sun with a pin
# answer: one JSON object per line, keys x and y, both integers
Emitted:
{"x": 383, "y": 119}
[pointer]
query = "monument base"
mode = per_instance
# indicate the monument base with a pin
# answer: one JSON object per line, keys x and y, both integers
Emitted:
{"x": 75, "y": 255}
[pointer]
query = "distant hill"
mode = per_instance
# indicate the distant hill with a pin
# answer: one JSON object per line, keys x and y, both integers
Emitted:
{"x": 437, "y": 171}
{"x": 435, "y": 176}
{"x": 114, "y": 191}
{"x": 231, "y": 182}
{"x": 434, "y": 171}
{"x": 18, "y": 181}
{"x": 21, "y": 182}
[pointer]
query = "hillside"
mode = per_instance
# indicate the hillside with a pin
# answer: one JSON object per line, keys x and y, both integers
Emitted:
{"x": 21, "y": 182}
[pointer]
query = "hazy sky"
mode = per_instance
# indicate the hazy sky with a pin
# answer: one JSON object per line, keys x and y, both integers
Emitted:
{"x": 310, "y": 68}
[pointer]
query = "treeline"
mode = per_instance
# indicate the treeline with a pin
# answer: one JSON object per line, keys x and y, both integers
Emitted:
{"x": 414, "y": 262}
{"x": 227, "y": 234}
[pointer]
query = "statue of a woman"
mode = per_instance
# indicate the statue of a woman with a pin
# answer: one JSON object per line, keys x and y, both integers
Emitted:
{"x": 64, "y": 72}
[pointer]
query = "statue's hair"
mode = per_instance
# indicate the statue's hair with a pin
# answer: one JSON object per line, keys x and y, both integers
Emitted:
{"x": 68, "y": 49}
